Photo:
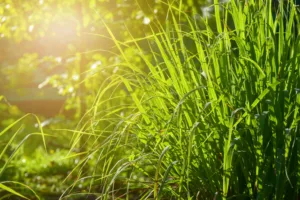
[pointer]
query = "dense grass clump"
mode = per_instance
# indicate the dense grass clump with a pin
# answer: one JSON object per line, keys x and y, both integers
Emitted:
{"x": 199, "y": 108}
{"x": 209, "y": 109}
{"x": 216, "y": 113}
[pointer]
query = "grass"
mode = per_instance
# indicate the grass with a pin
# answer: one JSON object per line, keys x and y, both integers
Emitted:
{"x": 216, "y": 111}
{"x": 213, "y": 113}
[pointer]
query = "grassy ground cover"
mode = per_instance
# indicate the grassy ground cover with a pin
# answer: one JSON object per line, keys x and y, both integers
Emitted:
{"x": 210, "y": 113}
{"x": 217, "y": 111}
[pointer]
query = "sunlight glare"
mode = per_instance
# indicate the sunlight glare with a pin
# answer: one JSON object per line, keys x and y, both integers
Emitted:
{"x": 146, "y": 20}
{"x": 96, "y": 64}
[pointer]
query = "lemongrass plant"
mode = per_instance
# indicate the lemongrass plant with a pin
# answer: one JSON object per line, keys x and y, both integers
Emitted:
{"x": 216, "y": 111}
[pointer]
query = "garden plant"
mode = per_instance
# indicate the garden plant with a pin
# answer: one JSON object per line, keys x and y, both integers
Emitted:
{"x": 198, "y": 106}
